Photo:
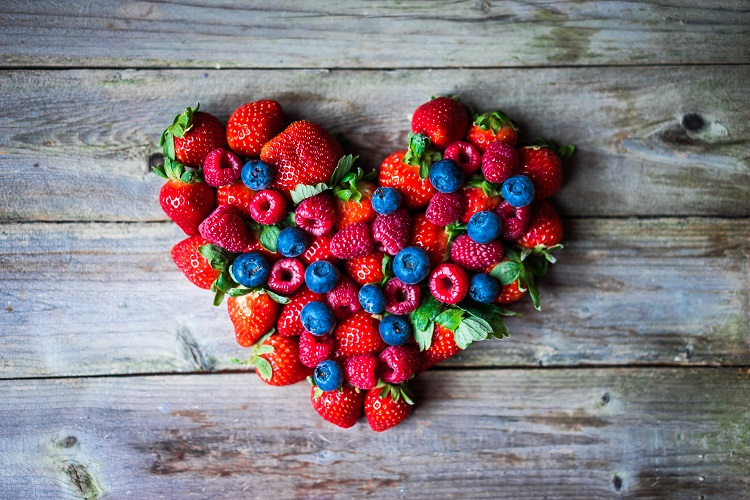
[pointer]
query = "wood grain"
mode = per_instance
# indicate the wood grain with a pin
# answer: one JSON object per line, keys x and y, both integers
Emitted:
{"x": 645, "y": 433}
{"x": 88, "y": 299}
{"x": 366, "y": 34}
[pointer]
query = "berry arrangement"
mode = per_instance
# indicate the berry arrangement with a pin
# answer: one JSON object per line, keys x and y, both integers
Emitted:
{"x": 358, "y": 280}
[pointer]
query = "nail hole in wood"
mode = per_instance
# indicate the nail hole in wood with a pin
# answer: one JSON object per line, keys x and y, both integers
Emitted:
{"x": 155, "y": 159}
{"x": 605, "y": 398}
{"x": 693, "y": 122}
{"x": 617, "y": 482}
{"x": 689, "y": 352}
{"x": 68, "y": 442}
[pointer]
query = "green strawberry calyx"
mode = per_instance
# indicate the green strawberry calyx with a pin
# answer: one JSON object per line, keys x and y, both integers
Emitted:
{"x": 349, "y": 188}
{"x": 397, "y": 392}
{"x": 319, "y": 392}
{"x": 522, "y": 266}
{"x": 420, "y": 154}
{"x": 494, "y": 121}
{"x": 564, "y": 152}
{"x": 179, "y": 126}
{"x": 262, "y": 365}
{"x": 173, "y": 170}
{"x": 490, "y": 188}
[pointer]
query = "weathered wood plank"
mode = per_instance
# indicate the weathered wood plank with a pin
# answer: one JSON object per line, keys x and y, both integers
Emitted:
{"x": 63, "y": 160}
{"x": 106, "y": 298}
{"x": 371, "y": 34}
{"x": 644, "y": 433}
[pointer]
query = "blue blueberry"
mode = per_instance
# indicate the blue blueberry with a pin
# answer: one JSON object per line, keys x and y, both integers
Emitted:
{"x": 257, "y": 175}
{"x": 321, "y": 276}
{"x": 292, "y": 242}
{"x": 328, "y": 375}
{"x": 395, "y": 330}
{"x": 411, "y": 265}
{"x": 251, "y": 269}
{"x": 518, "y": 191}
{"x": 317, "y": 318}
{"x": 484, "y": 288}
{"x": 446, "y": 176}
{"x": 484, "y": 227}
{"x": 386, "y": 200}
{"x": 371, "y": 299}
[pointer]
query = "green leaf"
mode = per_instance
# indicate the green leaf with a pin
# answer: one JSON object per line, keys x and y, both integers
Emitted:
{"x": 343, "y": 167}
{"x": 237, "y": 361}
{"x": 268, "y": 237}
{"x": 566, "y": 151}
{"x": 264, "y": 349}
{"x": 424, "y": 171}
{"x": 240, "y": 291}
{"x": 386, "y": 266}
{"x": 225, "y": 283}
{"x": 343, "y": 194}
{"x": 499, "y": 330}
{"x": 426, "y": 313}
{"x": 533, "y": 292}
{"x": 536, "y": 266}
{"x": 278, "y": 298}
{"x": 264, "y": 368}
{"x": 217, "y": 257}
{"x": 423, "y": 336}
{"x": 218, "y": 297}
{"x": 512, "y": 254}
{"x": 470, "y": 330}
{"x": 507, "y": 272}
{"x": 302, "y": 192}
{"x": 450, "y": 318}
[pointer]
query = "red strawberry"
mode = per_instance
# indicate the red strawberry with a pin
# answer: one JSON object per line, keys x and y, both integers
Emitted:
{"x": 341, "y": 408}
{"x": 366, "y": 269}
{"x": 254, "y": 124}
{"x": 304, "y": 153}
{"x": 510, "y": 293}
{"x": 289, "y": 323}
{"x": 391, "y": 232}
{"x": 343, "y": 299}
{"x": 545, "y": 229}
{"x": 431, "y": 238}
{"x": 358, "y": 208}
{"x": 186, "y": 203}
{"x": 492, "y": 127}
{"x": 394, "y": 173}
{"x": 400, "y": 297}
{"x": 226, "y": 228}
{"x": 352, "y": 241}
{"x": 315, "y": 215}
{"x": 443, "y": 120}
{"x": 399, "y": 363}
{"x": 193, "y": 265}
{"x": 221, "y": 168}
{"x": 515, "y": 220}
{"x": 471, "y": 255}
{"x": 466, "y": 155}
{"x": 358, "y": 334}
{"x": 255, "y": 246}
{"x": 442, "y": 347}
{"x": 475, "y": 199}
{"x": 449, "y": 283}
{"x": 314, "y": 348}
{"x": 386, "y": 407}
{"x": 544, "y": 167}
{"x": 319, "y": 249}
{"x": 252, "y": 315}
{"x": 192, "y": 136}
{"x": 444, "y": 208}
{"x": 236, "y": 195}
{"x": 500, "y": 162}
{"x": 276, "y": 361}
{"x": 362, "y": 371}
{"x": 268, "y": 207}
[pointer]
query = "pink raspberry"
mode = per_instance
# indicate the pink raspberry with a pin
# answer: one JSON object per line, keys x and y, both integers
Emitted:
{"x": 449, "y": 283}
{"x": 268, "y": 206}
{"x": 515, "y": 220}
{"x": 391, "y": 232}
{"x": 466, "y": 155}
{"x": 221, "y": 167}
{"x": 353, "y": 241}
{"x": 499, "y": 162}
{"x": 343, "y": 299}
{"x": 315, "y": 348}
{"x": 226, "y": 228}
{"x": 287, "y": 275}
{"x": 401, "y": 298}
{"x": 399, "y": 363}
{"x": 444, "y": 208}
{"x": 362, "y": 371}
{"x": 471, "y": 255}
{"x": 316, "y": 215}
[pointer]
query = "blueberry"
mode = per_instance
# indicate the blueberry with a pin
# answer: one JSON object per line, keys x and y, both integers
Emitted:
{"x": 395, "y": 330}
{"x": 518, "y": 191}
{"x": 484, "y": 227}
{"x": 321, "y": 276}
{"x": 386, "y": 200}
{"x": 292, "y": 242}
{"x": 328, "y": 375}
{"x": 257, "y": 175}
{"x": 317, "y": 318}
{"x": 484, "y": 288}
{"x": 446, "y": 176}
{"x": 371, "y": 299}
{"x": 411, "y": 265}
{"x": 251, "y": 269}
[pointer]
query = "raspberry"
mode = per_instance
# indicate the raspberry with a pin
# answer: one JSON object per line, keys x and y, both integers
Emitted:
{"x": 314, "y": 348}
{"x": 352, "y": 241}
{"x": 499, "y": 162}
{"x": 391, "y": 231}
{"x": 362, "y": 371}
{"x": 444, "y": 208}
{"x": 226, "y": 228}
{"x": 343, "y": 299}
{"x": 466, "y": 155}
{"x": 268, "y": 206}
{"x": 515, "y": 220}
{"x": 449, "y": 283}
{"x": 287, "y": 275}
{"x": 471, "y": 255}
{"x": 399, "y": 363}
{"x": 401, "y": 298}
{"x": 315, "y": 215}
{"x": 221, "y": 167}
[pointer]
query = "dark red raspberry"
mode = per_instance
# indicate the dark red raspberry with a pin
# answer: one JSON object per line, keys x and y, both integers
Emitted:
{"x": 221, "y": 167}
{"x": 391, "y": 232}
{"x": 352, "y": 241}
{"x": 449, "y": 283}
{"x": 287, "y": 275}
{"x": 499, "y": 162}
{"x": 315, "y": 348}
{"x": 316, "y": 215}
{"x": 472, "y": 256}
{"x": 268, "y": 206}
{"x": 466, "y": 155}
{"x": 401, "y": 298}
{"x": 226, "y": 228}
{"x": 362, "y": 371}
{"x": 319, "y": 249}
{"x": 444, "y": 208}
{"x": 343, "y": 299}
{"x": 399, "y": 363}
{"x": 515, "y": 220}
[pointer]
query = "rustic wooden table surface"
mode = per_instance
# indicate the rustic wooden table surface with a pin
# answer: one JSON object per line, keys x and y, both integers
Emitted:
{"x": 633, "y": 382}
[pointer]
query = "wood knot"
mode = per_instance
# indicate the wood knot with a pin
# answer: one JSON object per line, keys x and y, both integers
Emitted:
{"x": 617, "y": 482}
{"x": 155, "y": 159}
{"x": 68, "y": 442}
{"x": 693, "y": 122}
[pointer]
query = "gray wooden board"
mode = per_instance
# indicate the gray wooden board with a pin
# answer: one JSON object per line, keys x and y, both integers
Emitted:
{"x": 78, "y": 144}
{"x": 371, "y": 34}
{"x": 593, "y": 433}
{"x": 87, "y": 299}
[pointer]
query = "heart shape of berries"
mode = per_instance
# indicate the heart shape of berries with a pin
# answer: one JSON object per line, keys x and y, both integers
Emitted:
{"x": 358, "y": 280}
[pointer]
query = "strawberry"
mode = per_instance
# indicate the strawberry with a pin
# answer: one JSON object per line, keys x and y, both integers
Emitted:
{"x": 386, "y": 406}
{"x": 362, "y": 371}
{"x": 352, "y": 241}
{"x": 226, "y": 228}
{"x": 544, "y": 167}
{"x": 442, "y": 347}
{"x": 252, "y": 125}
{"x": 510, "y": 293}
{"x": 304, "y": 153}
{"x": 444, "y": 208}
{"x": 341, "y": 407}
{"x": 399, "y": 363}
{"x": 319, "y": 249}
{"x": 476, "y": 199}
{"x": 366, "y": 269}
{"x": 276, "y": 360}
{"x": 193, "y": 265}
{"x": 358, "y": 334}
{"x": 289, "y": 323}
{"x": 192, "y": 136}
{"x": 443, "y": 120}
{"x": 391, "y": 232}
{"x": 314, "y": 348}
{"x": 252, "y": 315}
{"x": 236, "y": 195}
{"x": 492, "y": 127}
{"x": 545, "y": 229}
{"x": 358, "y": 204}
{"x": 394, "y": 173}
{"x": 471, "y": 255}
{"x": 186, "y": 202}
{"x": 431, "y": 238}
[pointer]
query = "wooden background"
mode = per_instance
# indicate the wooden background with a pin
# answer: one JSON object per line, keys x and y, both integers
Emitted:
{"x": 632, "y": 382}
